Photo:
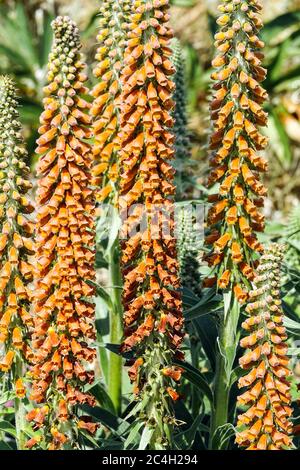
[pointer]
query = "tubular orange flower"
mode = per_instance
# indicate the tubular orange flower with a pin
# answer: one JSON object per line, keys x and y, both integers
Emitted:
{"x": 16, "y": 243}
{"x": 265, "y": 425}
{"x": 63, "y": 307}
{"x": 237, "y": 114}
{"x": 153, "y": 311}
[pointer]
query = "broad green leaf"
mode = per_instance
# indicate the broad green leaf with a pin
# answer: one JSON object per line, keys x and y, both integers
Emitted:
{"x": 46, "y": 39}
{"x": 104, "y": 400}
{"x": 101, "y": 292}
{"x": 5, "y": 446}
{"x": 8, "y": 428}
{"x": 103, "y": 416}
{"x": 206, "y": 329}
{"x": 146, "y": 437}
{"x": 288, "y": 21}
{"x": 202, "y": 308}
{"x": 292, "y": 326}
{"x": 194, "y": 376}
{"x": 133, "y": 434}
{"x": 185, "y": 439}
{"x": 279, "y": 140}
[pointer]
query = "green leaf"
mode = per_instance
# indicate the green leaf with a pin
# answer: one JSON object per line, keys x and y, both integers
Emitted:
{"x": 222, "y": 435}
{"x": 292, "y": 326}
{"x": 5, "y": 446}
{"x": 146, "y": 437}
{"x": 89, "y": 438}
{"x": 103, "y": 416}
{"x": 45, "y": 42}
{"x": 272, "y": 29}
{"x": 195, "y": 377}
{"x": 185, "y": 439}
{"x": 8, "y": 428}
{"x": 99, "y": 392}
{"x": 206, "y": 329}
{"x": 133, "y": 434}
{"x": 279, "y": 140}
{"x": 184, "y": 3}
{"x": 236, "y": 374}
{"x": 101, "y": 292}
{"x": 202, "y": 308}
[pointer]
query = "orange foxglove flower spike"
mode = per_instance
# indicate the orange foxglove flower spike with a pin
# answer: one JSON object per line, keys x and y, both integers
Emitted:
{"x": 237, "y": 115}
{"x": 16, "y": 240}
{"x": 265, "y": 422}
{"x": 106, "y": 93}
{"x": 152, "y": 306}
{"x": 63, "y": 304}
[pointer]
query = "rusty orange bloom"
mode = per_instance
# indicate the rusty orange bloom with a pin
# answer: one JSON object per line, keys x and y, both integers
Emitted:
{"x": 16, "y": 241}
{"x": 237, "y": 114}
{"x": 63, "y": 307}
{"x": 265, "y": 422}
{"x": 106, "y": 93}
{"x": 152, "y": 305}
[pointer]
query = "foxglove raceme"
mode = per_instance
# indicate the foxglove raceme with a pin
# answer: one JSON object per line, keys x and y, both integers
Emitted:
{"x": 16, "y": 242}
{"x": 152, "y": 305}
{"x": 237, "y": 113}
{"x": 64, "y": 309}
{"x": 106, "y": 94}
{"x": 266, "y": 424}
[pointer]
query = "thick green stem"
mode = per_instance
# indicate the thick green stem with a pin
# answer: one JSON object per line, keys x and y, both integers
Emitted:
{"x": 20, "y": 412}
{"x": 116, "y": 327}
{"x": 224, "y": 364}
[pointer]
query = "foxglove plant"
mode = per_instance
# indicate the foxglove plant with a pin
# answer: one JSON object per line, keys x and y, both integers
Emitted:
{"x": 152, "y": 305}
{"x": 16, "y": 246}
{"x": 266, "y": 423}
{"x": 63, "y": 303}
{"x": 105, "y": 114}
{"x": 234, "y": 217}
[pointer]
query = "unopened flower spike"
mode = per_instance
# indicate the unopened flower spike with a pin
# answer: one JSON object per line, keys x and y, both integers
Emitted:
{"x": 106, "y": 94}
{"x": 63, "y": 307}
{"x": 237, "y": 113}
{"x": 265, "y": 423}
{"x": 182, "y": 143}
{"x": 188, "y": 248}
{"x": 152, "y": 304}
{"x": 16, "y": 242}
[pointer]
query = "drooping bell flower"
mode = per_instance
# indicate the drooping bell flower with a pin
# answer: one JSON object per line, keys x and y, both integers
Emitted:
{"x": 63, "y": 307}
{"x": 16, "y": 242}
{"x": 152, "y": 304}
{"x": 237, "y": 114}
{"x": 265, "y": 422}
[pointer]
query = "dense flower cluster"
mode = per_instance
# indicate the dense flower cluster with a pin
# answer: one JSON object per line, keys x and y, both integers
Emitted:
{"x": 237, "y": 115}
{"x": 265, "y": 425}
{"x": 63, "y": 308}
{"x": 16, "y": 240}
{"x": 106, "y": 93}
{"x": 152, "y": 305}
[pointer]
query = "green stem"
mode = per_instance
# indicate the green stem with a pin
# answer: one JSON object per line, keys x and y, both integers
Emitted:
{"x": 116, "y": 327}
{"x": 20, "y": 411}
{"x": 224, "y": 364}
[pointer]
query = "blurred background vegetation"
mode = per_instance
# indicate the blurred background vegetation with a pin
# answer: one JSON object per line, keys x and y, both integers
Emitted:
{"x": 25, "y": 40}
